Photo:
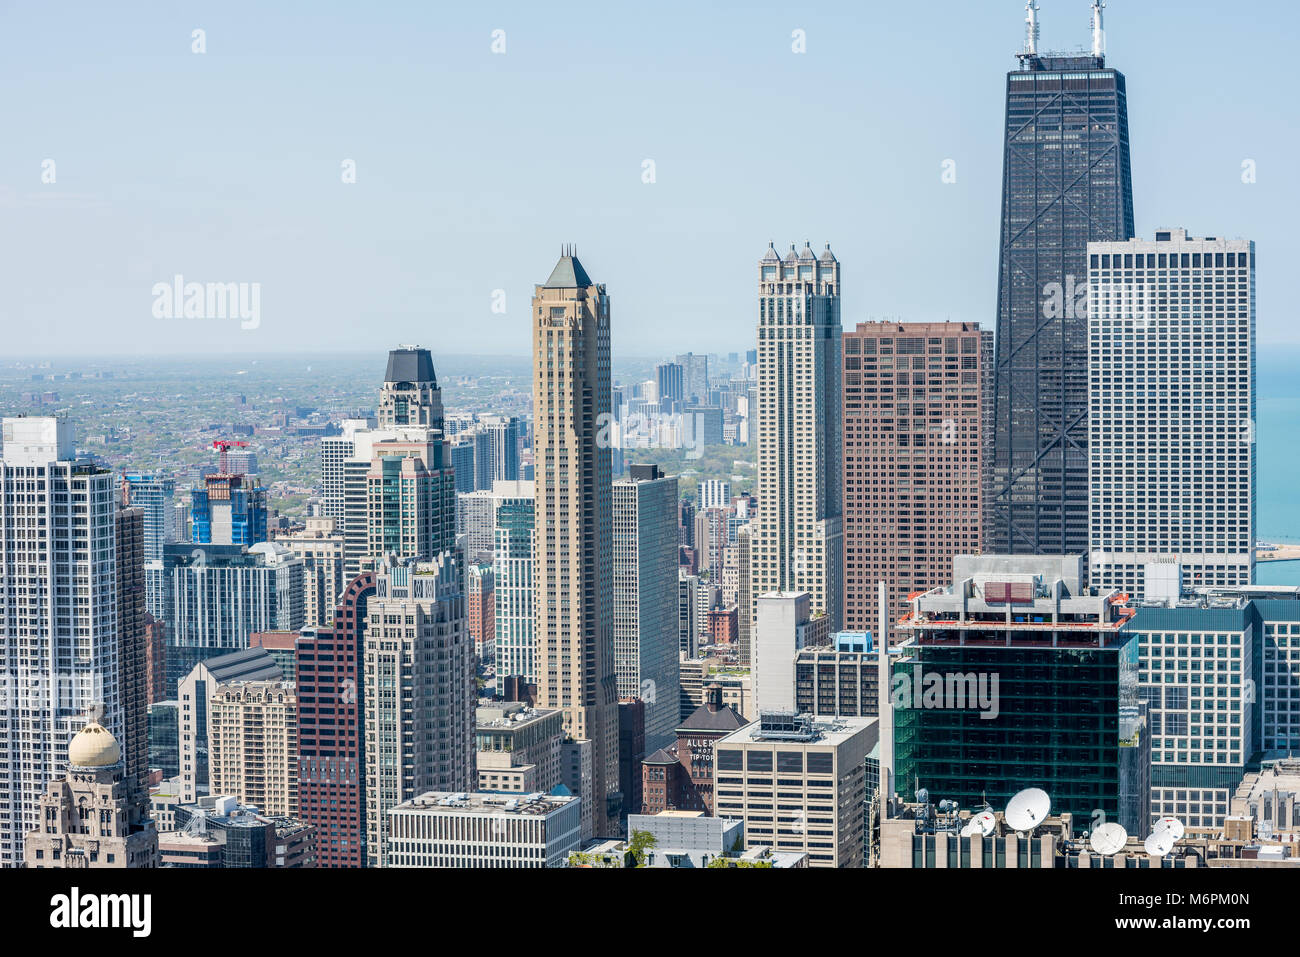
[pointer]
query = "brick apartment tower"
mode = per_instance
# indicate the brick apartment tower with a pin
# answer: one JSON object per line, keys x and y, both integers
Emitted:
{"x": 915, "y": 406}
{"x": 331, "y": 747}
{"x": 574, "y": 576}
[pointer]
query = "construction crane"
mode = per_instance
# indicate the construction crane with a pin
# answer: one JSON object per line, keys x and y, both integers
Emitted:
{"x": 224, "y": 446}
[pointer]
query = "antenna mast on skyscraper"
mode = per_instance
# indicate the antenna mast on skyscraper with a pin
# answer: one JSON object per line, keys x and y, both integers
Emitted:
{"x": 1098, "y": 31}
{"x": 1031, "y": 28}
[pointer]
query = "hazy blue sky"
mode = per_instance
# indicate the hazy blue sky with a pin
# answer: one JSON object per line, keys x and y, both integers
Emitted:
{"x": 472, "y": 168}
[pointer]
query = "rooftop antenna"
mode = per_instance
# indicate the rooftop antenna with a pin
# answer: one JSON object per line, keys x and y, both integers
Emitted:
{"x": 1098, "y": 31}
{"x": 1031, "y": 28}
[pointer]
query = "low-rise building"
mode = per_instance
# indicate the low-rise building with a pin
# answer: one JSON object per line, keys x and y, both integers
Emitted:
{"x": 439, "y": 829}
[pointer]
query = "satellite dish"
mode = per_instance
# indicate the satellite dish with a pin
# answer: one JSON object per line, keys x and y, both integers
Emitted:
{"x": 984, "y": 822}
{"x": 1160, "y": 843}
{"x": 968, "y": 829}
{"x": 1027, "y": 809}
{"x": 1107, "y": 839}
{"x": 1172, "y": 825}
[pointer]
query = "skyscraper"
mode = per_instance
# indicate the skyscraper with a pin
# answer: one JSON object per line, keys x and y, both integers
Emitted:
{"x": 229, "y": 510}
{"x": 419, "y": 690}
{"x": 574, "y": 559}
{"x": 670, "y": 383}
{"x": 645, "y": 597}
{"x": 219, "y": 595}
{"x": 132, "y": 658}
{"x": 410, "y": 393}
{"x": 1065, "y": 183}
{"x": 399, "y": 497}
{"x": 512, "y": 571}
{"x": 155, "y": 495}
{"x": 1171, "y": 427}
{"x": 695, "y": 378}
{"x": 798, "y": 541}
{"x": 914, "y": 469}
{"x": 331, "y": 737}
{"x": 62, "y": 653}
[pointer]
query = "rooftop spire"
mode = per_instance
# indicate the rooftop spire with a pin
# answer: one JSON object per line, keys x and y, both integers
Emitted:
{"x": 1098, "y": 31}
{"x": 1031, "y": 28}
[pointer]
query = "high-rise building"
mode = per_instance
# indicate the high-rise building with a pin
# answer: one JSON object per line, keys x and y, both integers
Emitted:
{"x": 331, "y": 738}
{"x": 1198, "y": 667}
{"x": 503, "y": 433}
{"x": 841, "y": 678}
{"x": 715, "y": 493}
{"x": 419, "y": 690}
{"x": 91, "y": 816}
{"x": 228, "y": 510}
{"x": 253, "y": 745}
{"x": 58, "y": 519}
{"x": 822, "y": 768}
{"x": 410, "y": 500}
{"x": 645, "y": 592}
{"x": 320, "y": 546}
{"x": 335, "y": 450}
{"x": 1065, "y": 182}
{"x": 480, "y": 600}
{"x": 132, "y": 655}
{"x": 574, "y": 546}
{"x": 219, "y": 595}
{"x": 798, "y": 539}
{"x": 781, "y": 628}
{"x": 512, "y": 573}
{"x": 745, "y": 607}
{"x": 670, "y": 382}
{"x": 410, "y": 394}
{"x": 475, "y": 526}
{"x": 1015, "y": 677}
{"x": 914, "y": 466}
{"x": 164, "y": 738}
{"x": 688, "y": 629}
{"x": 695, "y": 378}
{"x": 195, "y": 693}
{"x": 1172, "y": 420}
{"x": 517, "y": 748}
{"x": 155, "y": 496}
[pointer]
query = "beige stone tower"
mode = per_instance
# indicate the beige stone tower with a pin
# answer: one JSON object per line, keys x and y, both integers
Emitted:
{"x": 798, "y": 538}
{"x": 90, "y": 817}
{"x": 573, "y": 571}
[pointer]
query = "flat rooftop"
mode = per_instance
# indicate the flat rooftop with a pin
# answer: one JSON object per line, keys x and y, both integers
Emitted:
{"x": 487, "y": 802}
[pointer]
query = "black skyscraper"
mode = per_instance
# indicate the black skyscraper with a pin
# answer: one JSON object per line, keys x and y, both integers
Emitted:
{"x": 1065, "y": 181}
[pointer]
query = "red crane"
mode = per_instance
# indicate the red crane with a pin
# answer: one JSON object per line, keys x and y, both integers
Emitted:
{"x": 224, "y": 446}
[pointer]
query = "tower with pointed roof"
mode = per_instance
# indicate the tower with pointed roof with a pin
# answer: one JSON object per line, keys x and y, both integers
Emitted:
{"x": 410, "y": 394}
{"x": 573, "y": 573}
{"x": 797, "y": 535}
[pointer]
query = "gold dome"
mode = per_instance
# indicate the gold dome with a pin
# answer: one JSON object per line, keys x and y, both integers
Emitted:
{"x": 94, "y": 747}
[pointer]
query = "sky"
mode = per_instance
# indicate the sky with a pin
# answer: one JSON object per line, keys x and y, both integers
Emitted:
{"x": 472, "y": 166}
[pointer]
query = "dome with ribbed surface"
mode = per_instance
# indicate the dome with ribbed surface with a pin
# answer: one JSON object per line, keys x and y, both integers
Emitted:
{"x": 94, "y": 747}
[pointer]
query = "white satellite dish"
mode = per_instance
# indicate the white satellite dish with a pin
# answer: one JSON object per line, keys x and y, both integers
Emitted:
{"x": 984, "y": 822}
{"x": 1160, "y": 843}
{"x": 1027, "y": 809}
{"x": 1172, "y": 825}
{"x": 1107, "y": 839}
{"x": 968, "y": 829}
